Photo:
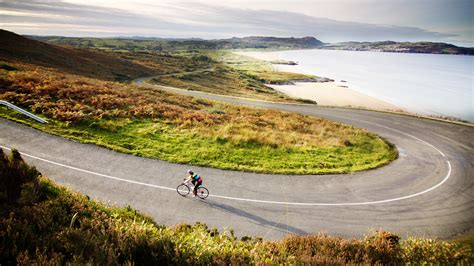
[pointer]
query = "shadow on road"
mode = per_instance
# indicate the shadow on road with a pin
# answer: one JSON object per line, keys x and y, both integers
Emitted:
{"x": 284, "y": 228}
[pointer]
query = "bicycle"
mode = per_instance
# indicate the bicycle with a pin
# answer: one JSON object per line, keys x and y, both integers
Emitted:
{"x": 185, "y": 188}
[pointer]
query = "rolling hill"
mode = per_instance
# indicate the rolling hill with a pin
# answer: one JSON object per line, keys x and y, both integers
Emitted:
{"x": 401, "y": 47}
{"x": 164, "y": 44}
{"x": 94, "y": 64}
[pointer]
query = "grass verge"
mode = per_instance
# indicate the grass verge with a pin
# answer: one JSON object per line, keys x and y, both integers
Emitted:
{"x": 42, "y": 223}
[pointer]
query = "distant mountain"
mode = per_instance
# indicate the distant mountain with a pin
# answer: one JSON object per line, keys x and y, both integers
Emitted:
{"x": 156, "y": 44}
{"x": 274, "y": 42}
{"x": 401, "y": 47}
{"x": 170, "y": 44}
{"x": 16, "y": 48}
{"x": 156, "y": 38}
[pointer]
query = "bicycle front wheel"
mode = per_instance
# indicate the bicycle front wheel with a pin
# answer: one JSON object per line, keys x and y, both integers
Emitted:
{"x": 183, "y": 190}
{"x": 202, "y": 192}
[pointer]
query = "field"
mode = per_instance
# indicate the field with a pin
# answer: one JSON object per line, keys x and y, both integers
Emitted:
{"x": 42, "y": 223}
{"x": 182, "y": 129}
{"x": 229, "y": 74}
{"x": 259, "y": 69}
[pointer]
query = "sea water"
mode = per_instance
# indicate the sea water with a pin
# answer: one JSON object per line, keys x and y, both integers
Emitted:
{"x": 429, "y": 84}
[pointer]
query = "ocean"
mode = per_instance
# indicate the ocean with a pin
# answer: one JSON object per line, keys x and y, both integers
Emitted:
{"x": 428, "y": 84}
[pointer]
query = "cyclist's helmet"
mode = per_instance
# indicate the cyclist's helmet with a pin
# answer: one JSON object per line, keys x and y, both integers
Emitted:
{"x": 190, "y": 172}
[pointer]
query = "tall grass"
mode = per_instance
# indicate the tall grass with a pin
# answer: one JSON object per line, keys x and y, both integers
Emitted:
{"x": 183, "y": 129}
{"x": 223, "y": 80}
{"x": 257, "y": 69}
{"x": 59, "y": 226}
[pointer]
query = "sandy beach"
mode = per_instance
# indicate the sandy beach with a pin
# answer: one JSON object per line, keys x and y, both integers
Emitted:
{"x": 327, "y": 93}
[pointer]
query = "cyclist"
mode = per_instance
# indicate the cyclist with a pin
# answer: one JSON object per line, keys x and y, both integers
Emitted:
{"x": 195, "y": 179}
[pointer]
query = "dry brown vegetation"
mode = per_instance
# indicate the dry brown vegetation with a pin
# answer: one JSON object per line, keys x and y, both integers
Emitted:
{"x": 71, "y": 98}
{"x": 91, "y": 63}
{"x": 172, "y": 127}
{"x": 225, "y": 81}
{"x": 15, "y": 48}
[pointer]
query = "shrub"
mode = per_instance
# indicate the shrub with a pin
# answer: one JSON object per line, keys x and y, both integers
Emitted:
{"x": 430, "y": 251}
{"x": 382, "y": 247}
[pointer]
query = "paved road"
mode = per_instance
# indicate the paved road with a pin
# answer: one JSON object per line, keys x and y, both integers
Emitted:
{"x": 428, "y": 191}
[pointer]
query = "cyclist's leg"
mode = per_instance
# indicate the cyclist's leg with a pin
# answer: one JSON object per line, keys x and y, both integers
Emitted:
{"x": 196, "y": 187}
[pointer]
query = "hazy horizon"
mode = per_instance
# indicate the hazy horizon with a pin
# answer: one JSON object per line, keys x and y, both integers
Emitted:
{"x": 328, "y": 21}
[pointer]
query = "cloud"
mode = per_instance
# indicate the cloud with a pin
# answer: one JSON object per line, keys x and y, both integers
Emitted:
{"x": 246, "y": 21}
{"x": 191, "y": 20}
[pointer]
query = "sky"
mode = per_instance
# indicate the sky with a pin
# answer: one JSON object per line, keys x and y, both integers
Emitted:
{"x": 330, "y": 21}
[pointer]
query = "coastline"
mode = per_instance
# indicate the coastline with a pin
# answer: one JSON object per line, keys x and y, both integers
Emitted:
{"x": 324, "y": 93}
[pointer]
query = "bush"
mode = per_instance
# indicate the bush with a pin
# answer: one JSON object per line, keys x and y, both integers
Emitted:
{"x": 383, "y": 247}
{"x": 429, "y": 251}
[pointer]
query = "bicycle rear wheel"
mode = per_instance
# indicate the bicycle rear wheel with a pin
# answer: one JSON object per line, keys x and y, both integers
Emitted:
{"x": 183, "y": 190}
{"x": 202, "y": 192}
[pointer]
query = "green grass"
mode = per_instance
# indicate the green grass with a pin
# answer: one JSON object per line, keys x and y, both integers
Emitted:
{"x": 46, "y": 224}
{"x": 224, "y": 81}
{"x": 154, "y": 139}
{"x": 258, "y": 69}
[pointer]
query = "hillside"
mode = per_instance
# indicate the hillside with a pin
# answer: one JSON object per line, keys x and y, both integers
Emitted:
{"x": 16, "y": 48}
{"x": 401, "y": 47}
{"x": 162, "y": 44}
{"x": 140, "y": 44}
{"x": 273, "y": 42}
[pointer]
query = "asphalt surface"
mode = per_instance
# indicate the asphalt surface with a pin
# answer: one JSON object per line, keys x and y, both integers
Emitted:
{"x": 428, "y": 191}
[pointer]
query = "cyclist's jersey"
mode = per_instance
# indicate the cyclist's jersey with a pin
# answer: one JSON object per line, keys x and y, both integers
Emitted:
{"x": 197, "y": 178}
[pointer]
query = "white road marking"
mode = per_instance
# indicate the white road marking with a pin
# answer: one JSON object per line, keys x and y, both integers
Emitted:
{"x": 401, "y": 152}
{"x": 396, "y": 130}
{"x": 244, "y": 199}
{"x": 266, "y": 201}
{"x": 89, "y": 172}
